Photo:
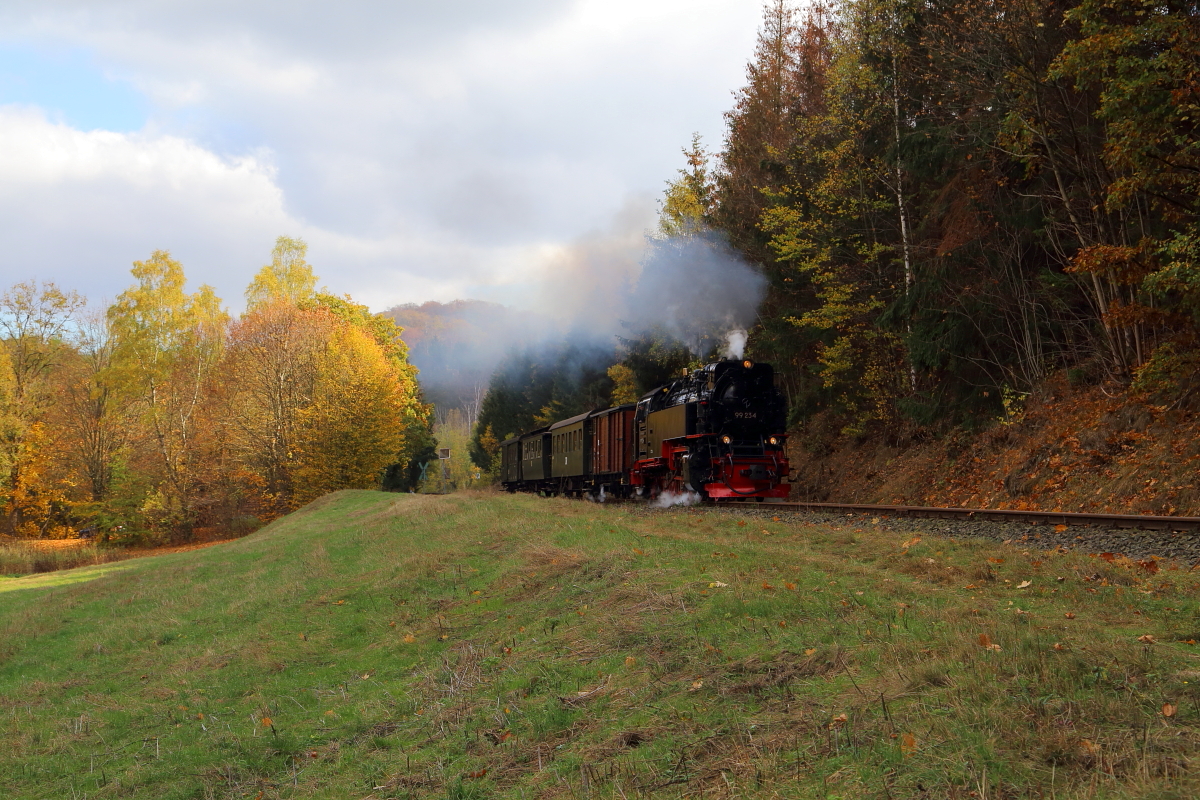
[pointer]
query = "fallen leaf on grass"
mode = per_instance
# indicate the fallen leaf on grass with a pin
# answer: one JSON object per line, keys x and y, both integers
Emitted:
{"x": 696, "y": 685}
{"x": 996, "y": 560}
{"x": 1059, "y": 646}
{"x": 409, "y": 638}
{"x": 1069, "y": 615}
{"x": 838, "y": 721}
{"x": 1109, "y": 557}
{"x": 809, "y": 651}
{"x": 717, "y": 585}
{"x": 970, "y": 586}
{"x": 1150, "y": 566}
{"x": 910, "y": 542}
{"x": 741, "y": 523}
{"x": 1168, "y": 710}
{"x": 986, "y": 642}
{"x": 1146, "y": 638}
{"x": 630, "y": 661}
{"x": 791, "y": 587}
{"x": 908, "y": 744}
{"x": 767, "y": 587}
{"x": 1024, "y": 584}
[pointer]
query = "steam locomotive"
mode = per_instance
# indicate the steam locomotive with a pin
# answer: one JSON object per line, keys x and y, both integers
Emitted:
{"x": 717, "y": 432}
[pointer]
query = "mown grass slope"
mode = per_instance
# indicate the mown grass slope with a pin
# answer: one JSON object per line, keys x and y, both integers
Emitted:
{"x": 479, "y": 645}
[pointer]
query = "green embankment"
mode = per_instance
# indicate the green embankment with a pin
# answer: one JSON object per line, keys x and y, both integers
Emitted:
{"x": 479, "y": 645}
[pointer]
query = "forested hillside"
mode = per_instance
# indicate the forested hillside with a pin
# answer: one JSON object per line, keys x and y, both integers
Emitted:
{"x": 954, "y": 201}
{"x": 957, "y": 205}
{"x": 160, "y": 414}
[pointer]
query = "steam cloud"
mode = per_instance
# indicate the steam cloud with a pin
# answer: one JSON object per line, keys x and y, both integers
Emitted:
{"x": 618, "y": 281}
{"x": 623, "y": 282}
{"x": 669, "y": 499}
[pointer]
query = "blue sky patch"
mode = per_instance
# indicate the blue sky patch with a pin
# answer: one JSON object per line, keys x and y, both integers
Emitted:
{"x": 71, "y": 87}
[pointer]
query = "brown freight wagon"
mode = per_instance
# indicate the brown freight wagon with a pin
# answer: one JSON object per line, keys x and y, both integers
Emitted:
{"x": 612, "y": 448}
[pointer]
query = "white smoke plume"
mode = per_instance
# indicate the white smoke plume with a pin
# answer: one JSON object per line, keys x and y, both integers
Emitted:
{"x": 623, "y": 281}
{"x": 735, "y": 343}
{"x": 618, "y": 281}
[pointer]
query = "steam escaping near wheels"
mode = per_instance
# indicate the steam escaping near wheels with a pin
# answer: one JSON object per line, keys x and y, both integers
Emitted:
{"x": 668, "y": 499}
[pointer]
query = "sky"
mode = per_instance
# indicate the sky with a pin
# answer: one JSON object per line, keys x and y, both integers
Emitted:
{"x": 423, "y": 150}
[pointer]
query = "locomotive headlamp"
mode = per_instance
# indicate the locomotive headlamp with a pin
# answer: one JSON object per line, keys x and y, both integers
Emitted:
{"x": 774, "y": 440}
{"x": 726, "y": 439}
{"x": 747, "y": 363}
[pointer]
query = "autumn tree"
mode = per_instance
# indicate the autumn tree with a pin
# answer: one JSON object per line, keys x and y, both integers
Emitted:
{"x": 288, "y": 277}
{"x": 94, "y": 414}
{"x": 34, "y": 321}
{"x": 168, "y": 345}
{"x": 286, "y": 356}
{"x": 353, "y": 427}
{"x": 786, "y": 83}
{"x": 1142, "y": 61}
{"x": 270, "y": 367}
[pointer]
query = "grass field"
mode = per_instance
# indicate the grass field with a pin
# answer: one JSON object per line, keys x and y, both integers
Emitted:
{"x": 482, "y": 645}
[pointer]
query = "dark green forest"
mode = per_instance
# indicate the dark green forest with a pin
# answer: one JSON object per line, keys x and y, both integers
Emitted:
{"x": 950, "y": 202}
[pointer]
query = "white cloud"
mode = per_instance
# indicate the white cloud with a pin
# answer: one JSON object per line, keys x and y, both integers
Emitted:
{"x": 71, "y": 200}
{"x": 424, "y": 150}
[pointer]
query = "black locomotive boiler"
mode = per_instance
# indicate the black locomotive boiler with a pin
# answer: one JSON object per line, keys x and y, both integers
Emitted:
{"x": 717, "y": 432}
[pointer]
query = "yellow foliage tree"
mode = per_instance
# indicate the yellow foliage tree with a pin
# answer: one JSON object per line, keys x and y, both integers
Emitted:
{"x": 354, "y": 425}
{"x": 288, "y": 277}
{"x": 167, "y": 349}
{"x": 34, "y": 328}
{"x": 624, "y": 384}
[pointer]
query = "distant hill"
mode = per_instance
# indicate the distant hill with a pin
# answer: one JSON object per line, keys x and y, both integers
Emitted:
{"x": 457, "y": 345}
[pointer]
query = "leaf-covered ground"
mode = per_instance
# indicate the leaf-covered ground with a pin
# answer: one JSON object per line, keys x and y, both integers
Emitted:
{"x": 1064, "y": 449}
{"x": 481, "y": 645}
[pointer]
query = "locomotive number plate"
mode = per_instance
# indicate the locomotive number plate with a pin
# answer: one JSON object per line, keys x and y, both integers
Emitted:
{"x": 745, "y": 415}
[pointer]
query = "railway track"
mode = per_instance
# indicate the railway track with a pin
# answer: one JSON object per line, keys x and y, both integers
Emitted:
{"x": 1129, "y": 521}
{"x": 1139, "y": 537}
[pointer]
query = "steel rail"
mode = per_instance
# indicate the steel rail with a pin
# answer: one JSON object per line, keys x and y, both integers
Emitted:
{"x": 1144, "y": 522}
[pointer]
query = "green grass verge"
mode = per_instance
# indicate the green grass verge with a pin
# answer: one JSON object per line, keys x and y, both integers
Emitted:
{"x": 481, "y": 645}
